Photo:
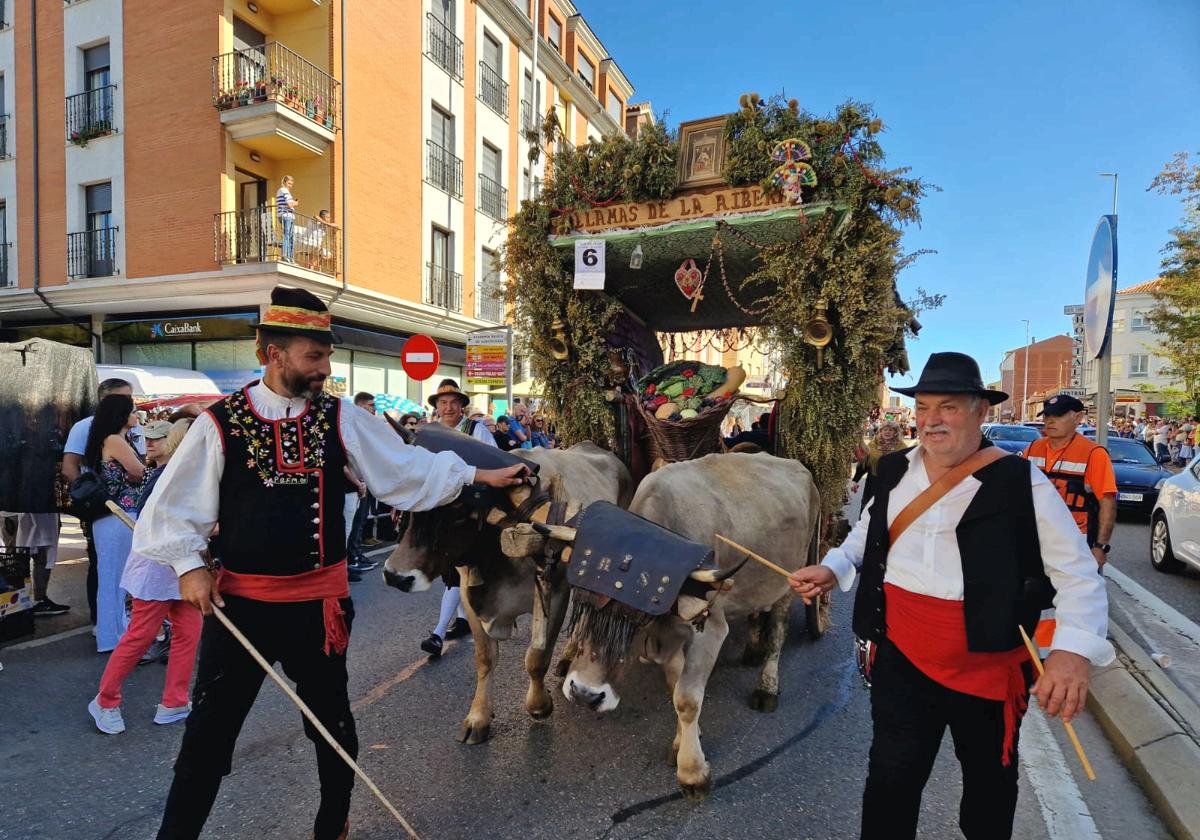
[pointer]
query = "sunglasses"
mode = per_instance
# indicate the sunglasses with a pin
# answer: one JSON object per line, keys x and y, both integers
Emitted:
{"x": 412, "y": 424}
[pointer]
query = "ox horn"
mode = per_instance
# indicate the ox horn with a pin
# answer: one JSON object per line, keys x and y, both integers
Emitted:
{"x": 718, "y": 575}
{"x": 563, "y": 533}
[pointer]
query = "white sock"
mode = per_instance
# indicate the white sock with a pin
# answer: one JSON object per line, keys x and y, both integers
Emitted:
{"x": 451, "y": 603}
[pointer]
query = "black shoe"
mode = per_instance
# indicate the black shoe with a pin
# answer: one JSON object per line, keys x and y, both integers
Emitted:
{"x": 48, "y": 607}
{"x": 458, "y": 629}
{"x": 433, "y": 645}
{"x": 158, "y": 650}
{"x": 354, "y": 577}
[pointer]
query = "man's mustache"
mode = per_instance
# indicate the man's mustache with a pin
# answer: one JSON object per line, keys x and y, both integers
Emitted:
{"x": 939, "y": 428}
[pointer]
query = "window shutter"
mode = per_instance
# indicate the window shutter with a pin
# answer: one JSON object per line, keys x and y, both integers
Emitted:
{"x": 99, "y": 198}
{"x": 95, "y": 58}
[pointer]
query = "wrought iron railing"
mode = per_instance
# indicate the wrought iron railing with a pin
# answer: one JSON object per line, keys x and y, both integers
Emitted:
{"x": 90, "y": 114}
{"x": 4, "y": 120}
{"x": 493, "y": 90}
{"x": 443, "y": 170}
{"x": 526, "y": 115}
{"x": 443, "y": 287}
{"x": 5, "y": 280}
{"x": 493, "y": 198}
{"x": 273, "y": 73}
{"x": 444, "y": 47}
{"x": 260, "y": 234}
{"x": 92, "y": 253}
{"x": 490, "y": 300}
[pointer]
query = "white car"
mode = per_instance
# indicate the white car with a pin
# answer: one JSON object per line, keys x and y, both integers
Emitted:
{"x": 1175, "y": 522}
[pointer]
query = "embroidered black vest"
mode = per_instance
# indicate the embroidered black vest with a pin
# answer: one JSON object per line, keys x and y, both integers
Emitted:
{"x": 282, "y": 492}
{"x": 1004, "y": 582}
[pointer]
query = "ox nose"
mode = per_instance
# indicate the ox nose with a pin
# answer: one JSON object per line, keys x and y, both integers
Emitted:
{"x": 584, "y": 695}
{"x": 402, "y": 582}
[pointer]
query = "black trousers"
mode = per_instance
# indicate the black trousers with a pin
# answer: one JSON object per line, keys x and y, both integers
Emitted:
{"x": 93, "y": 578}
{"x": 227, "y": 682}
{"x": 910, "y": 713}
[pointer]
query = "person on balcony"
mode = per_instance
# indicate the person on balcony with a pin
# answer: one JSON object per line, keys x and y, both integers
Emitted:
{"x": 285, "y": 210}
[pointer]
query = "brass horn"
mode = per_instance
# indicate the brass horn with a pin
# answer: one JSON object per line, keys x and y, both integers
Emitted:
{"x": 818, "y": 332}
{"x": 560, "y": 348}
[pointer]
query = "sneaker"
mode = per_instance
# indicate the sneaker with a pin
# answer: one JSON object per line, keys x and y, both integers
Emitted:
{"x": 371, "y": 541}
{"x": 170, "y": 714}
{"x": 108, "y": 721}
{"x": 48, "y": 607}
{"x": 353, "y": 576}
{"x": 459, "y": 629}
{"x": 433, "y": 645}
{"x": 158, "y": 651}
{"x": 362, "y": 565}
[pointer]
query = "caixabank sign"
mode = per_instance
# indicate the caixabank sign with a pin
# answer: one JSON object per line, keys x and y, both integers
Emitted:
{"x": 183, "y": 328}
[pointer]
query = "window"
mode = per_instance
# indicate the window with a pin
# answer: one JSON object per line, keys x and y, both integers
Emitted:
{"x": 96, "y": 70}
{"x": 554, "y": 32}
{"x": 4, "y": 281}
{"x": 493, "y": 198}
{"x": 442, "y": 129}
{"x": 91, "y": 253}
{"x": 1138, "y": 322}
{"x": 616, "y": 108}
{"x": 489, "y": 303}
{"x": 443, "y": 286}
{"x": 490, "y": 163}
{"x": 587, "y": 72}
{"x": 493, "y": 55}
{"x": 1139, "y": 364}
{"x": 493, "y": 90}
{"x": 443, "y": 12}
{"x": 443, "y": 170}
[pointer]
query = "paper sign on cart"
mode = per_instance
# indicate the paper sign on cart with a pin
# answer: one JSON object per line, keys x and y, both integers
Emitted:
{"x": 589, "y": 264}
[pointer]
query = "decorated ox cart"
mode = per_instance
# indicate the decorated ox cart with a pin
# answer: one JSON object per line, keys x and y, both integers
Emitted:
{"x": 768, "y": 224}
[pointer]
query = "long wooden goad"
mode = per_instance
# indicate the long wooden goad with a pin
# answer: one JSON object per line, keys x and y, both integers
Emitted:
{"x": 295, "y": 698}
{"x": 1037, "y": 663}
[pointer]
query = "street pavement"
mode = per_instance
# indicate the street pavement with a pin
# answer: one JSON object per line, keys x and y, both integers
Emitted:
{"x": 796, "y": 773}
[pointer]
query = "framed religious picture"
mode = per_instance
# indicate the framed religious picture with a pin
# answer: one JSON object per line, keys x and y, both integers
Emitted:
{"x": 702, "y": 152}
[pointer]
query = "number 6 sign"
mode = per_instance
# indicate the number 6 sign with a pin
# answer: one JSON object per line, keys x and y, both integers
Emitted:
{"x": 589, "y": 264}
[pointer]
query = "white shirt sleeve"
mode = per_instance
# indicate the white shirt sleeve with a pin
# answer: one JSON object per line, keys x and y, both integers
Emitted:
{"x": 480, "y": 432}
{"x": 846, "y": 559}
{"x": 402, "y": 476}
{"x": 1081, "y": 602}
{"x": 77, "y": 437}
{"x": 177, "y": 521}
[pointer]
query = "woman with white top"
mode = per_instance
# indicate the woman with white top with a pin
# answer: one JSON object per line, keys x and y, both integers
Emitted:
{"x": 285, "y": 209}
{"x": 155, "y": 591}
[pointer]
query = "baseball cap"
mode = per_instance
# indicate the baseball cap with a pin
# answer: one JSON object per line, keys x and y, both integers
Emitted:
{"x": 1059, "y": 405}
{"x": 156, "y": 429}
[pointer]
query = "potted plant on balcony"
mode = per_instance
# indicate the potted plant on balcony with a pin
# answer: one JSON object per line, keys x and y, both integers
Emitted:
{"x": 260, "y": 90}
{"x": 243, "y": 92}
{"x": 330, "y": 116}
{"x": 318, "y": 109}
{"x": 310, "y": 108}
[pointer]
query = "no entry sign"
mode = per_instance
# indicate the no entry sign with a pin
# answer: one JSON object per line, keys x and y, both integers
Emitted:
{"x": 419, "y": 357}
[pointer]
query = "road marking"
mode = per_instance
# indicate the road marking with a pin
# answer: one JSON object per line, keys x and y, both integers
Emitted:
{"x": 1065, "y": 813}
{"x": 1169, "y": 616}
{"x": 377, "y": 693}
{"x": 35, "y": 643}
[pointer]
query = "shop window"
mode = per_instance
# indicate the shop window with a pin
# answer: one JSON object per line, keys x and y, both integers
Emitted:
{"x": 226, "y": 355}
{"x": 175, "y": 354}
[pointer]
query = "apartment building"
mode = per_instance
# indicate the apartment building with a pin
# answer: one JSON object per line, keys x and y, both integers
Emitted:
{"x": 143, "y": 144}
{"x": 1049, "y": 363}
{"x": 1138, "y": 369}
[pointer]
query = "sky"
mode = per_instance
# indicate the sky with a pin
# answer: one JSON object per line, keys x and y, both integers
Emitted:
{"x": 1011, "y": 108}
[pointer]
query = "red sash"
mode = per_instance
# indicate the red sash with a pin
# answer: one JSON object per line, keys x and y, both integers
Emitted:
{"x": 932, "y": 633}
{"x": 326, "y": 584}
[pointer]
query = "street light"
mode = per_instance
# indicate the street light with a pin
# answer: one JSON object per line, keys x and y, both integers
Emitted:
{"x": 1025, "y": 387}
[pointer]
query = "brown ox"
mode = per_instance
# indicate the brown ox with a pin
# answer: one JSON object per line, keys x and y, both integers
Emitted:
{"x": 770, "y": 505}
{"x": 497, "y": 589}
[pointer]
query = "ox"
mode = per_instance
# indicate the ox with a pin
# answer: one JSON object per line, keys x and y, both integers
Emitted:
{"x": 497, "y": 589}
{"x": 768, "y": 504}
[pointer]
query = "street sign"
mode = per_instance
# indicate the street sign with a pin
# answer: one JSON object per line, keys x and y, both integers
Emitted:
{"x": 487, "y": 358}
{"x": 1101, "y": 287}
{"x": 1071, "y": 392}
{"x": 589, "y": 264}
{"x": 419, "y": 357}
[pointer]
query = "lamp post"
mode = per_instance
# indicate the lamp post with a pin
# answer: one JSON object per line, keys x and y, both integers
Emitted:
{"x": 1025, "y": 387}
{"x": 1104, "y": 375}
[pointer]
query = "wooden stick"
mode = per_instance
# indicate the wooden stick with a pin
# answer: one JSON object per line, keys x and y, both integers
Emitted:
{"x": 1037, "y": 663}
{"x": 287, "y": 689}
{"x": 777, "y": 569}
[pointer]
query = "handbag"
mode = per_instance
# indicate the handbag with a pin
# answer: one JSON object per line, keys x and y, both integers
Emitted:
{"x": 88, "y": 497}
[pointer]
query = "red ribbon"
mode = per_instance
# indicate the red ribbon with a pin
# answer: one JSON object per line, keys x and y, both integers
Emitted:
{"x": 327, "y": 584}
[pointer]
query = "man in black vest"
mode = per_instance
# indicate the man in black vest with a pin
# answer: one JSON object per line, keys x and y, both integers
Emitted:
{"x": 266, "y": 466}
{"x": 941, "y": 601}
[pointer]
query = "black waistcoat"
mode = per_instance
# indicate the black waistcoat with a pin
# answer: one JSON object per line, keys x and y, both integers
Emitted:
{"x": 283, "y": 489}
{"x": 1004, "y": 582}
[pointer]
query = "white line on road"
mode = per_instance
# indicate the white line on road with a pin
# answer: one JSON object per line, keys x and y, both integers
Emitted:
{"x": 45, "y": 640}
{"x": 1063, "y": 809}
{"x": 1169, "y": 616}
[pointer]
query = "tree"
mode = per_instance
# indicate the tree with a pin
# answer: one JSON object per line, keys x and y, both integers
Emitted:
{"x": 1177, "y": 313}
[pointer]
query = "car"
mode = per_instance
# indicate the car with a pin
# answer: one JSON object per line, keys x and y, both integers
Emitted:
{"x": 1139, "y": 475}
{"x": 1011, "y": 438}
{"x": 1175, "y": 522}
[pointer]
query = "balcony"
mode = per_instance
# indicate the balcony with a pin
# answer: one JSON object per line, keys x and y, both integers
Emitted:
{"x": 259, "y": 235}
{"x": 4, "y": 152}
{"x": 443, "y": 169}
{"x": 276, "y": 102}
{"x": 90, "y": 115}
{"x": 92, "y": 253}
{"x": 443, "y": 47}
{"x": 526, "y": 115}
{"x": 493, "y": 198}
{"x": 493, "y": 90}
{"x": 443, "y": 287}
{"x": 5, "y": 280}
{"x": 490, "y": 300}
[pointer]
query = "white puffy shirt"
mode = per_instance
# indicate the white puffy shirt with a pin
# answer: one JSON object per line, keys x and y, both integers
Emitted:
{"x": 180, "y": 516}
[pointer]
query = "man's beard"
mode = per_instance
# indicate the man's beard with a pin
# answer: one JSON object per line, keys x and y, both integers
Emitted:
{"x": 299, "y": 385}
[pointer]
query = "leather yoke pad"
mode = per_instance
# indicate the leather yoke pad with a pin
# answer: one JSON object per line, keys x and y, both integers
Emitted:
{"x": 438, "y": 438}
{"x": 632, "y": 560}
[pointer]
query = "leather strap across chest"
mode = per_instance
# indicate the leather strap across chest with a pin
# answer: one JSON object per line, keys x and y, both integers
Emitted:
{"x": 934, "y": 492}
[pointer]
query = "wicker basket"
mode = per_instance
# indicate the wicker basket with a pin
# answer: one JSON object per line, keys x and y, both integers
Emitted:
{"x": 682, "y": 440}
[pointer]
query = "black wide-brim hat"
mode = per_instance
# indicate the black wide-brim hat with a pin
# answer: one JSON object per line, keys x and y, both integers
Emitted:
{"x": 952, "y": 373}
{"x": 298, "y": 312}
